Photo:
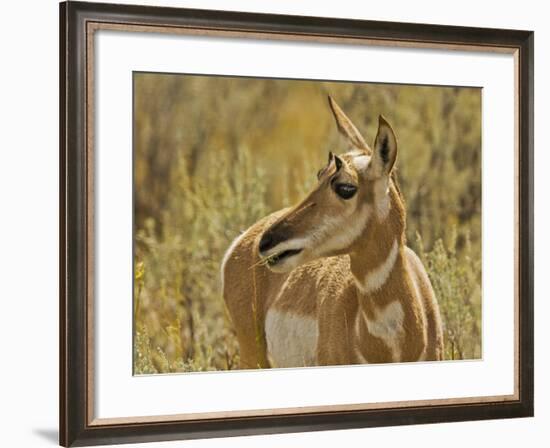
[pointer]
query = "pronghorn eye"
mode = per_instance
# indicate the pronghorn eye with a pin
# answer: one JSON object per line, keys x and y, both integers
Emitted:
{"x": 345, "y": 191}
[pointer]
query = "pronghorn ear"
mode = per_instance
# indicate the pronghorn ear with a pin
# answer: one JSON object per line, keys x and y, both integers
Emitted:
{"x": 346, "y": 127}
{"x": 385, "y": 148}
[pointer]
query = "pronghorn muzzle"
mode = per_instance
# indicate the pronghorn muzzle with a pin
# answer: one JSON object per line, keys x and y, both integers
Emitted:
{"x": 271, "y": 239}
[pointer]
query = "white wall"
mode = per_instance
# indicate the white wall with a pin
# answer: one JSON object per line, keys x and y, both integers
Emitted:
{"x": 28, "y": 220}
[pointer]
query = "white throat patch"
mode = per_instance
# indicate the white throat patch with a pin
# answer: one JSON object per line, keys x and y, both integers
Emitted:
{"x": 376, "y": 278}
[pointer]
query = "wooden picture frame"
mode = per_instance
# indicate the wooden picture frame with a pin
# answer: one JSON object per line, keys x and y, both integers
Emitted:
{"x": 78, "y": 22}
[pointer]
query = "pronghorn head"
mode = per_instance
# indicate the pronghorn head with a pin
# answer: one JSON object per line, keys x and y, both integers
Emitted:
{"x": 355, "y": 192}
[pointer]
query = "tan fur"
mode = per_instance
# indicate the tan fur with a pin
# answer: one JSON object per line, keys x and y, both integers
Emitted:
{"x": 393, "y": 317}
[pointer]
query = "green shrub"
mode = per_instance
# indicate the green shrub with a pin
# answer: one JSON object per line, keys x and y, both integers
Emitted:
{"x": 456, "y": 280}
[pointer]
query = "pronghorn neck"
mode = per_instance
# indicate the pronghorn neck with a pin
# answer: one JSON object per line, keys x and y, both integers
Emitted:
{"x": 372, "y": 278}
{"x": 377, "y": 257}
{"x": 379, "y": 269}
{"x": 379, "y": 273}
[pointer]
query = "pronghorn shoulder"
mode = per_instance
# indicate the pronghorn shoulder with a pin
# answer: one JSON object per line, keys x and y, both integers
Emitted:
{"x": 334, "y": 277}
{"x": 324, "y": 274}
{"x": 327, "y": 279}
{"x": 308, "y": 286}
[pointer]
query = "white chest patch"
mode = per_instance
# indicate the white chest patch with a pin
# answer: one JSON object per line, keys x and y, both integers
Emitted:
{"x": 291, "y": 339}
{"x": 388, "y": 326}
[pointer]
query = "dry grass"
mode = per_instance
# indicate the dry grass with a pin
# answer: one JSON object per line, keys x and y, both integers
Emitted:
{"x": 213, "y": 155}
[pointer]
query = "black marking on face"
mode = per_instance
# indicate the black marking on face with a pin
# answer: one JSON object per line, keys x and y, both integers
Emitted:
{"x": 385, "y": 150}
{"x": 339, "y": 163}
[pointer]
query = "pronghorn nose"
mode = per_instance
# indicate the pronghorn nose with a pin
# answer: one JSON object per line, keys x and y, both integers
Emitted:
{"x": 267, "y": 242}
{"x": 273, "y": 236}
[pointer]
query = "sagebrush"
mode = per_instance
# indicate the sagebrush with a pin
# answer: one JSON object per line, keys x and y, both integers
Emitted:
{"x": 214, "y": 155}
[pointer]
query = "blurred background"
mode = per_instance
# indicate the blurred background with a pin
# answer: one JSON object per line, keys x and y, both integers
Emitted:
{"x": 212, "y": 155}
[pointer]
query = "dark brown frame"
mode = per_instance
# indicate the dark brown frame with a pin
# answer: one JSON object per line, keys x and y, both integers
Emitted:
{"x": 78, "y": 21}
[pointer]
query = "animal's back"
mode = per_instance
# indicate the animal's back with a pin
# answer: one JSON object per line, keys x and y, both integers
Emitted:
{"x": 244, "y": 291}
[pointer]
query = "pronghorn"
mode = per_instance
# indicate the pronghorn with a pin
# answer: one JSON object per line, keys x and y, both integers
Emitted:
{"x": 331, "y": 280}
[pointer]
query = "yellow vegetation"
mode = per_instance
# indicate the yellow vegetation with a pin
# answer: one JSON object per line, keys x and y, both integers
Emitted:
{"x": 214, "y": 154}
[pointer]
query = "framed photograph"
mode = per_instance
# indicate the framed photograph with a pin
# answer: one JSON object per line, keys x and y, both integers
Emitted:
{"x": 277, "y": 223}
